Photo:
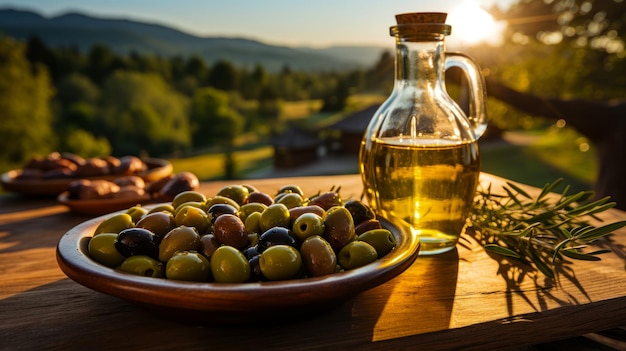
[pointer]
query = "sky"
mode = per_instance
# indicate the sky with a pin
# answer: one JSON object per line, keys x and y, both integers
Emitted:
{"x": 318, "y": 23}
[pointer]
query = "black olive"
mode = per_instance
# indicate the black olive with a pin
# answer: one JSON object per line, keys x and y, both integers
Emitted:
{"x": 276, "y": 236}
{"x": 219, "y": 209}
{"x": 360, "y": 212}
{"x": 137, "y": 241}
{"x": 255, "y": 269}
{"x": 251, "y": 252}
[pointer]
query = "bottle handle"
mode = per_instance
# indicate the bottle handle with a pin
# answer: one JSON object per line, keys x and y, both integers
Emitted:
{"x": 477, "y": 92}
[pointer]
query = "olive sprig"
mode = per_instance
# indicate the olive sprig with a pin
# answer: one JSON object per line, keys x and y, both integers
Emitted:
{"x": 540, "y": 230}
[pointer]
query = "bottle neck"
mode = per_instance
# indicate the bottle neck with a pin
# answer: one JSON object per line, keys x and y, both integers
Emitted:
{"x": 419, "y": 63}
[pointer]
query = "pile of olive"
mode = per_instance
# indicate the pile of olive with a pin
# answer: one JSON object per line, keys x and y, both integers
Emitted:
{"x": 241, "y": 235}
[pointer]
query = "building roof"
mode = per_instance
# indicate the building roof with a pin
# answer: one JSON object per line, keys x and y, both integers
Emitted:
{"x": 356, "y": 122}
{"x": 295, "y": 138}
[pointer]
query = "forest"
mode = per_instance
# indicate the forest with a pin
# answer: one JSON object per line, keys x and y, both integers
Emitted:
{"x": 98, "y": 103}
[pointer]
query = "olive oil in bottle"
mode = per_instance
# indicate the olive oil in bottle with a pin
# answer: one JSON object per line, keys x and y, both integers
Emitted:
{"x": 419, "y": 159}
{"x": 423, "y": 186}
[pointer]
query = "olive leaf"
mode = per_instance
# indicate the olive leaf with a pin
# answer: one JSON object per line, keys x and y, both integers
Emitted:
{"x": 540, "y": 230}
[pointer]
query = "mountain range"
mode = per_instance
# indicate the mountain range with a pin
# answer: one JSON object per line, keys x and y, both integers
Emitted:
{"x": 123, "y": 36}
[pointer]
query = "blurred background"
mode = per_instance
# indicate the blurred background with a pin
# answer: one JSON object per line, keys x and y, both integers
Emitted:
{"x": 245, "y": 89}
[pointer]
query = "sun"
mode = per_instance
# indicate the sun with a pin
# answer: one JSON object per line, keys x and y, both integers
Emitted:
{"x": 472, "y": 25}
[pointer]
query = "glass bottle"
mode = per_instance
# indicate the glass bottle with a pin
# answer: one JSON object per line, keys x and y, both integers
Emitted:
{"x": 419, "y": 159}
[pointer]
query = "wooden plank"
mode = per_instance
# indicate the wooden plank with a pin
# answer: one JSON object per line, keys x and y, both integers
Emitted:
{"x": 462, "y": 299}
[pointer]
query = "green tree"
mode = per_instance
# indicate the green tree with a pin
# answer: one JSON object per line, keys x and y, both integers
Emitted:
{"x": 84, "y": 143}
{"x": 213, "y": 120}
{"x": 25, "y": 94}
{"x": 336, "y": 99}
{"x": 573, "y": 48}
{"x": 143, "y": 114}
{"x": 223, "y": 76}
{"x": 102, "y": 62}
{"x": 269, "y": 109}
{"x": 197, "y": 68}
{"x": 76, "y": 87}
{"x": 251, "y": 83}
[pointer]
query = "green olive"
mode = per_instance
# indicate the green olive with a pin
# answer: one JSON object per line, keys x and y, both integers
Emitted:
{"x": 193, "y": 217}
{"x": 276, "y": 215}
{"x": 115, "y": 224}
{"x": 246, "y": 209}
{"x": 181, "y": 238}
{"x": 188, "y": 265}
{"x": 253, "y": 239}
{"x": 291, "y": 200}
{"x": 162, "y": 208}
{"x": 102, "y": 250}
{"x": 251, "y": 188}
{"x": 200, "y": 205}
{"x": 253, "y": 223}
{"x": 229, "y": 265}
{"x": 280, "y": 262}
{"x": 188, "y": 196}
{"x": 307, "y": 225}
{"x": 142, "y": 265}
{"x": 381, "y": 239}
{"x": 356, "y": 254}
{"x": 238, "y": 193}
{"x": 218, "y": 199}
{"x": 318, "y": 256}
{"x": 160, "y": 223}
{"x": 136, "y": 212}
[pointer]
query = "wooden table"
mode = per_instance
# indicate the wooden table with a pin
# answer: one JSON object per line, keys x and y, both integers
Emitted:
{"x": 463, "y": 299}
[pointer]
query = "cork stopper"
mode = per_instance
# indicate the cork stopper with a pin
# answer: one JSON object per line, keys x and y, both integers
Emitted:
{"x": 421, "y": 17}
{"x": 421, "y": 26}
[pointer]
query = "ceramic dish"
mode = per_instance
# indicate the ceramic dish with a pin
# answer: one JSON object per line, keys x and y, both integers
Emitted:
{"x": 157, "y": 169}
{"x": 98, "y": 207}
{"x": 212, "y": 303}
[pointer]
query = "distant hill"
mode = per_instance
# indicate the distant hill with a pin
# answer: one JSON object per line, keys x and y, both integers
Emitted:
{"x": 123, "y": 36}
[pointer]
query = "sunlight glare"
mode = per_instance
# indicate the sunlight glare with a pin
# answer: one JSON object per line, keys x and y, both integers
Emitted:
{"x": 472, "y": 25}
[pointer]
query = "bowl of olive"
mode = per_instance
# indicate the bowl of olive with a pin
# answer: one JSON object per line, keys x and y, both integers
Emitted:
{"x": 95, "y": 197}
{"x": 52, "y": 174}
{"x": 239, "y": 256}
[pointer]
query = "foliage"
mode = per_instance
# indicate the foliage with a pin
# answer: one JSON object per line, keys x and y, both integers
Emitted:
{"x": 25, "y": 93}
{"x": 213, "y": 121}
{"x": 80, "y": 141}
{"x": 540, "y": 230}
{"x": 142, "y": 114}
{"x": 567, "y": 48}
{"x": 223, "y": 76}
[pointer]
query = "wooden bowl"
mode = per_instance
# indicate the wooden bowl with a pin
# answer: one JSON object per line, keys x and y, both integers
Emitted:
{"x": 96, "y": 207}
{"x": 220, "y": 303}
{"x": 157, "y": 169}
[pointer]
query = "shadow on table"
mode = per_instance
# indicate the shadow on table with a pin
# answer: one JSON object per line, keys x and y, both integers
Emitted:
{"x": 522, "y": 279}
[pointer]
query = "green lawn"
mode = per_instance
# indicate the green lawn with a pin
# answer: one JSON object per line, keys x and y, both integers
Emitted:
{"x": 553, "y": 155}
{"x": 211, "y": 166}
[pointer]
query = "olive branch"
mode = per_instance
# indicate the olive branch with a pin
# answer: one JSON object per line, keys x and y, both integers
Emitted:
{"x": 540, "y": 230}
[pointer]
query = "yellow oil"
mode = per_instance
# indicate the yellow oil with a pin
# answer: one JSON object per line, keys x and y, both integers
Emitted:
{"x": 424, "y": 187}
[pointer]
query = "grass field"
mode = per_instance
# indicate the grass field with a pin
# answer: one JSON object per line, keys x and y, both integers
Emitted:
{"x": 550, "y": 155}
